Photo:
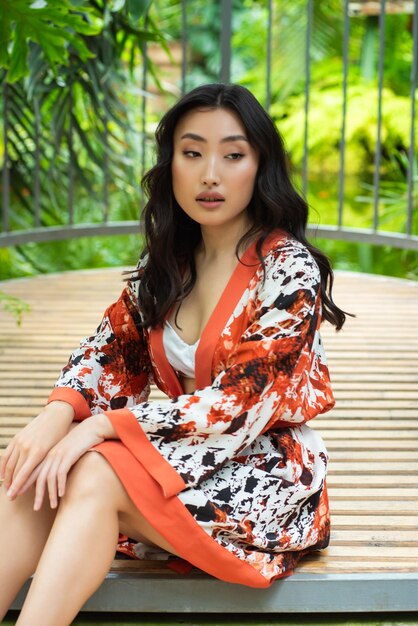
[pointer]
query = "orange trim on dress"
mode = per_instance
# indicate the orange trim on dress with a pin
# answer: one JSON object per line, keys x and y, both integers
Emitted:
{"x": 73, "y": 397}
{"x": 131, "y": 434}
{"x": 240, "y": 278}
{"x": 159, "y": 358}
{"x": 173, "y": 521}
{"x": 231, "y": 295}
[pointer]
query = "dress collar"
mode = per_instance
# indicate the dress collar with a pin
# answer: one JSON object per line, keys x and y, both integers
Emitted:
{"x": 239, "y": 280}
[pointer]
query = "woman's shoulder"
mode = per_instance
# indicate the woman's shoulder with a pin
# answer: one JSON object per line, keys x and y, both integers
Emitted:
{"x": 280, "y": 243}
{"x": 287, "y": 257}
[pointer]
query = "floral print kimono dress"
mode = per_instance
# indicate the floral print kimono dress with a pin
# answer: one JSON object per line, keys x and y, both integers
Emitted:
{"x": 230, "y": 475}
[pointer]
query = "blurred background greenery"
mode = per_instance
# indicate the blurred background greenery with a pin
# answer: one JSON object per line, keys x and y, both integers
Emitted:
{"x": 73, "y": 85}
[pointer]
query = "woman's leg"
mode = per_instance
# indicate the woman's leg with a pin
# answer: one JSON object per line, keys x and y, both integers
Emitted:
{"x": 22, "y": 538}
{"x": 82, "y": 543}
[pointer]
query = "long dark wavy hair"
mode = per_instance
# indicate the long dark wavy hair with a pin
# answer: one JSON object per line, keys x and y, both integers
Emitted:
{"x": 172, "y": 236}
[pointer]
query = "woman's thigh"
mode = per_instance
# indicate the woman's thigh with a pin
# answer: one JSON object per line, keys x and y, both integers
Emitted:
{"x": 131, "y": 522}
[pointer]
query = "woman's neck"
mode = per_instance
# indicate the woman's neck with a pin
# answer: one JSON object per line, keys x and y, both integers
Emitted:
{"x": 221, "y": 242}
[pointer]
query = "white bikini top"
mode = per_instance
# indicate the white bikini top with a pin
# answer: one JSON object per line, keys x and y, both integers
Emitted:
{"x": 180, "y": 354}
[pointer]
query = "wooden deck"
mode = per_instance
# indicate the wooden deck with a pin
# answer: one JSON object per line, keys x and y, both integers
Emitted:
{"x": 371, "y": 434}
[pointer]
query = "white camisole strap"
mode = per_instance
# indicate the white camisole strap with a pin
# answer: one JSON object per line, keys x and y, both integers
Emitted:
{"x": 180, "y": 354}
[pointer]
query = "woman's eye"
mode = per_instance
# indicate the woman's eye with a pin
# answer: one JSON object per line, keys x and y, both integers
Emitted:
{"x": 191, "y": 153}
{"x": 235, "y": 156}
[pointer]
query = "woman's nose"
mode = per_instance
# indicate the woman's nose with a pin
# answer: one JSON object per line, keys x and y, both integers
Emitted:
{"x": 210, "y": 175}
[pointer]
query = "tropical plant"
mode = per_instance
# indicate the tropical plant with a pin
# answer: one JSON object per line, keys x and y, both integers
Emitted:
{"x": 74, "y": 92}
{"x": 53, "y": 26}
{"x": 361, "y": 126}
{"x": 393, "y": 198}
{"x": 72, "y": 127}
{"x": 13, "y": 305}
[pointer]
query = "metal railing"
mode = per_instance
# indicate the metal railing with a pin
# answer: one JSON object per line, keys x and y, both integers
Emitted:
{"x": 338, "y": 230}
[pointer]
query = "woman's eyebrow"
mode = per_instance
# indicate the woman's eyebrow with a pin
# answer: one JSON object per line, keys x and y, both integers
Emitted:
{"x": 223, "y": 140}
{"x": 234, "y": 138}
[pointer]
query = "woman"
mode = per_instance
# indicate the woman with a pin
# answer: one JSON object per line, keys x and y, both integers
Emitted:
{"x": 223, "y": 313}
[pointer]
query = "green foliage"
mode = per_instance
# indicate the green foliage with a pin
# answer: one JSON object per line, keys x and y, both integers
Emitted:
{"x": 397, "y": 52}
{"x": 393, "y": 199}
{"x": 288, "y": 47}
{"x": 60, "y": 29}
{"x": 73, "y": 68}
{"x": 72, "y": 121}
{"x": 288, "y": 44}
{"x": 82, "y": 253}
{"x": 364, "y": 257}
{"x": 54, "y": 26}
{"x": 14, "y": 306}
{"x": 361, "y": 126}
{"x": 203, "y": 32}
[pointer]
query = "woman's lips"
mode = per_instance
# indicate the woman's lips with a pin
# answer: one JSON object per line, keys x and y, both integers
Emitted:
{"x": 210, "y": 200}
{"x": 210, "y": 204}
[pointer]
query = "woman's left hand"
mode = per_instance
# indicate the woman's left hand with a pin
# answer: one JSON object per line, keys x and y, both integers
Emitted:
{"x": 52, "y": 473}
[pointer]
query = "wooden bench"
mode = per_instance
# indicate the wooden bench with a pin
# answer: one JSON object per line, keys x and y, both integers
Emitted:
{"x": 372, "y": 436}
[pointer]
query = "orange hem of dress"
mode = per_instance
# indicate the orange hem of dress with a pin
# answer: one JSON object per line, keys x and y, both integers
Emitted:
{"x": 130, "y": 432}
{"x": 173, "y": 521}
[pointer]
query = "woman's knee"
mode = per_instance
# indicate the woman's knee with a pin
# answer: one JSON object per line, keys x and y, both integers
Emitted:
{"x": 92, "y": 477}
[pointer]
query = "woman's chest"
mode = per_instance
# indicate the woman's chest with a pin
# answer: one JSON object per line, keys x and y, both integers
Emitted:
{"x": 192, "y": 316}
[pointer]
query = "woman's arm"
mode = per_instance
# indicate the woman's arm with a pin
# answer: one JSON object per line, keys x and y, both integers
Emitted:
{"x": 30, "y": 446}
{"x": 109, "y": 370}
{"x": 50, "y": 473}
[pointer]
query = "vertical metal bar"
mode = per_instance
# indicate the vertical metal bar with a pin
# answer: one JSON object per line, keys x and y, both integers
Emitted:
{"x": 376, "y": 175}
{"x": 144, "y": 106}
{"x": 346, "y": 39}
{"x": 411, "y": 153}
{"x": 226, "y": 35}
{"x": 184, "y": 44}
{"x": 105, "y": 163}
{"x": 71, "y": 167}
{"x": 6, "y": 172}
{"x": 37, "y": 171}
{"x": 309, "y": 21}
{"x": 269, "y": 52}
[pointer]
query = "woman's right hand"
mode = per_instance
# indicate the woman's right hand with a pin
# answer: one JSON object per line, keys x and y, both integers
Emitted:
{"x": 30, "y": 446}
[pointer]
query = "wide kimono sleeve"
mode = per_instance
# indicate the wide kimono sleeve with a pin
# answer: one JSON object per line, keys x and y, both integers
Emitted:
{"x": 184, "y": 440}
{"x": 110, "y": 369}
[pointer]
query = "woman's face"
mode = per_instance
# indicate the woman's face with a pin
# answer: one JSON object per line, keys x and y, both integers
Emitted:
{"x": 214, "y": 168}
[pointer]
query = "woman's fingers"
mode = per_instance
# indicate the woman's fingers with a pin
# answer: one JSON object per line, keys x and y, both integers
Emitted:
{"x": 41, "y": 484}
{"x": 22, "y": 469}
{"x": 9, "y": 469}
{"x": 60, "y": 459}
{"x": 52, "y": 481}
{"x": 33, "y": 443}
{"x": 30, "y": 481}
{"x": 4, "y": 459}
{"x": 20, "y": 459}
{"x": 52, "y": 477}
{"x": 62, "y": 480}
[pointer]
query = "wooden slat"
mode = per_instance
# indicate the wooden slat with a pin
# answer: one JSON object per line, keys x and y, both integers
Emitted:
{"x": 347, "y": 490}
{"x": 310, "y": 564}
{"x": 352, "y": 522}
{"x": 370, "y": 454}
{"x": 371, "y": 434}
